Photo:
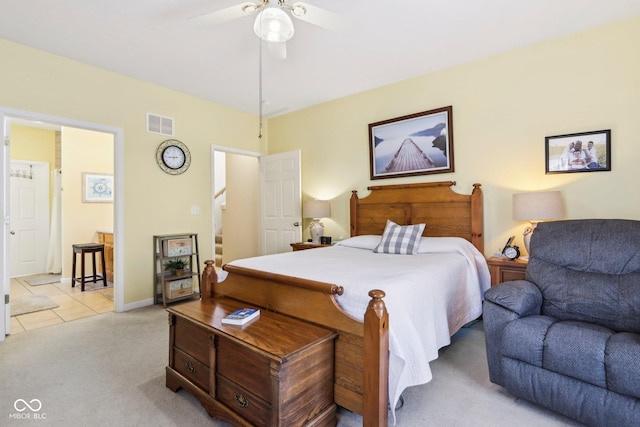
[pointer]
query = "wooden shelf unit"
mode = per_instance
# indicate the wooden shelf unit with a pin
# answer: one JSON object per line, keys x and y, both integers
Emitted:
{"x": 169, "y": 287}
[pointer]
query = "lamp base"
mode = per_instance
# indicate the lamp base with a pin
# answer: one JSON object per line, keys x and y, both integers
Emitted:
{"x": 317, "y": 230}
{"x": 526, "y": 235}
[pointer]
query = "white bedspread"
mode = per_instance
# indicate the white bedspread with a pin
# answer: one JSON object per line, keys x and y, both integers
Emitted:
{"x": 429, "y": 296}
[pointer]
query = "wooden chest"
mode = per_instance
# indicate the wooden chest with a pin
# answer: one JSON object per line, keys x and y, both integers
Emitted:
{"x": 273, "y": 371}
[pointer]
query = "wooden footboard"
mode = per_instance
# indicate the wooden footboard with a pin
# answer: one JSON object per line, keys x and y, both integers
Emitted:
{"x": 361, "y": 349}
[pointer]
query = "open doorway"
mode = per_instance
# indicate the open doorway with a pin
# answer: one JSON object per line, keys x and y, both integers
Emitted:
{"x": 234, "y": 175}
{"x": 101, "y": 217}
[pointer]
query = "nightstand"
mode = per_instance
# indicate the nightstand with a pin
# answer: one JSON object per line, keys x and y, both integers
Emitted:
{"x": 504, "y": 269}
{"x": 300, "y": 246}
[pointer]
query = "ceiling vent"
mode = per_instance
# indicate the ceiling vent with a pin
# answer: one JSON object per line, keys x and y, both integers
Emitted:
{"x": 159, "y": 124}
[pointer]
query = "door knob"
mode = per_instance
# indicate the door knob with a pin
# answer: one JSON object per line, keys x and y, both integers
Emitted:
{"x": 296, "y": 224}
{"x": 12, "y": 232}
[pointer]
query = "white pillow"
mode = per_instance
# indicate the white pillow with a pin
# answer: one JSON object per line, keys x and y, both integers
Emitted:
{"x": 367, "y": 241}
{"x": 400, "y": 239}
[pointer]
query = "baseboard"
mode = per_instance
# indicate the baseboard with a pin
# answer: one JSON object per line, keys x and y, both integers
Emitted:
{"x": 138, "y": 304}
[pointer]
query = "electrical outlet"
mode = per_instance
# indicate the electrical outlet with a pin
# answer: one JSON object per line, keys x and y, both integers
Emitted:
{"x": 195, "y": 210}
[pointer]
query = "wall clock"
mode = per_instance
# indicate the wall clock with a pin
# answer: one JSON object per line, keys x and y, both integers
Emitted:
{"x": 173, "y": 157}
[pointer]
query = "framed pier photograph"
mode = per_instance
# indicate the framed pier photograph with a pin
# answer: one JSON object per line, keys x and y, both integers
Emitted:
{"x": 417, "y": 144}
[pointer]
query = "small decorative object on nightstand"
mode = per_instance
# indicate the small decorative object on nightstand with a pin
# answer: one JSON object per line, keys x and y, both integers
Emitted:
{"x": 316, "y": 209}
{"x": 505, "y": 270}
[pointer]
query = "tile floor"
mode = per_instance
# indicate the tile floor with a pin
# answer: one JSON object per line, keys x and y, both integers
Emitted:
{"x": 72, "y": 304}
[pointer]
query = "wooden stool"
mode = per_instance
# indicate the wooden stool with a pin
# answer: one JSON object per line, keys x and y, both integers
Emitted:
{"x": 88, "y": 248}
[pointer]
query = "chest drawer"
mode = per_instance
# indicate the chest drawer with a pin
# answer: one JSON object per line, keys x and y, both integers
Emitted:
{"x": 192, "y": 339}
{"x": 243, "y": 402}
{"x": 196, "y": 372}
{"x": 243, "y": 366}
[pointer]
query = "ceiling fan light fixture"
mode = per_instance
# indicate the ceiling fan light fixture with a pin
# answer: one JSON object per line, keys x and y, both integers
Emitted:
{"x": 298, "y": 9}
{"x": 249, "y": 8}
{"x": 273, "y": 25}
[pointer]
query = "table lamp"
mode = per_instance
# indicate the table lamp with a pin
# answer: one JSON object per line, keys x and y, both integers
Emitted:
{"x": 536, "y": 207}
{"x": 316, "y": 209}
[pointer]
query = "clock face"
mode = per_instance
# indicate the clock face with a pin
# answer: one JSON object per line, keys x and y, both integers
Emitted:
{"x": 173, "y": 157}
{"x": 512, "y": 252}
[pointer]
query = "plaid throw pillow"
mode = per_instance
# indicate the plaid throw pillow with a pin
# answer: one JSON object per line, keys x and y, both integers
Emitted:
{"x": 399, "y": 239}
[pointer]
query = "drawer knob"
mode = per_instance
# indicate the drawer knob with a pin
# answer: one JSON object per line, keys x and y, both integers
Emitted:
{"x": 190, "y": 367}
{"x": 242, "y": 401}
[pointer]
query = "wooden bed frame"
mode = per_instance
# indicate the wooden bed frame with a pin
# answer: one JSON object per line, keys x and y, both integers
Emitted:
{"x": 361, "y": 349}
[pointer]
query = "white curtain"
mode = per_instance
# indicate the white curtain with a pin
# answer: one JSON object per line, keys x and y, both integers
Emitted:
{"x": 54, "y": 256}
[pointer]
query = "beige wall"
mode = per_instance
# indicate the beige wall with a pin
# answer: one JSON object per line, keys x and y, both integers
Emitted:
{"x": 154, "y": 202}
{"x": 503, "y": 107}
{"x": 38, "y": 145}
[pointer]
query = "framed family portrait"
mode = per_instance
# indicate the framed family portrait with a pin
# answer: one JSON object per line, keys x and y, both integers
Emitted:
{"x": 97, "y": 188}
{"x": 578, "y": 152}
{"x": 417, "y": 144}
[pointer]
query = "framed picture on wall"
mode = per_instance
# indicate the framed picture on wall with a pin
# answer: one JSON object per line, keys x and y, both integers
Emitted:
{"x": 97, "y": 188}
{"x": 578, "y": 152}
{"x": 417, "y": 144}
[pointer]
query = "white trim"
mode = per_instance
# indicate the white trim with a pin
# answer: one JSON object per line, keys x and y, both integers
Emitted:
{"x": 138, "y": 304}
{"x": 118, "y": 217}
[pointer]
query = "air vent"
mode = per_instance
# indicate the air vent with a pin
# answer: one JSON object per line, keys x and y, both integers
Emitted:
{"x": 159, "y": 124}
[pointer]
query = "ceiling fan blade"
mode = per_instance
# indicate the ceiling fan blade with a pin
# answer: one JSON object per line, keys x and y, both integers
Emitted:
{"x": 277, "y": 49}
{"x": 323, "y": 18}
{"x": 222, "y": 15}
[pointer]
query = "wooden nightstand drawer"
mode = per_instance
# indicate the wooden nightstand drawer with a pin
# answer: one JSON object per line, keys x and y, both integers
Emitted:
{"x": 505, "y": 270}
{"x": 196, "y": 372}
{"x": 242, "y": 401}
{"x": 508, "y": 275}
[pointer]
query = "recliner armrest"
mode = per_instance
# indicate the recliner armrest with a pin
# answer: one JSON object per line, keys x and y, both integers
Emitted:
{"x": 502, "y": 304}
{"x": 519, "y": 296}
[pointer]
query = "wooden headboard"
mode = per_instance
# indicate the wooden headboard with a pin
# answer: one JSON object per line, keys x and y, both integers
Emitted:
{"x": 445, "y": 212}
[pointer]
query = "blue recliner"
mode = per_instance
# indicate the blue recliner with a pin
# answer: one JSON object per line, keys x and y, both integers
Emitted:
{"x": 568, "y": 337}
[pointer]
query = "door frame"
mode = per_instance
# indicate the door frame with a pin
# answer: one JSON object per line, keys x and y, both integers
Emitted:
{"x": 118, "y": 203}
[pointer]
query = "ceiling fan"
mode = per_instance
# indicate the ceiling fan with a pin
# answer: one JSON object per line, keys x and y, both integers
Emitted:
{"x": 273, "y": 23}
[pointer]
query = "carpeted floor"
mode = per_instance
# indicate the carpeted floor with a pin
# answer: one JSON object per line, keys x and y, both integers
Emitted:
{"x": 109, "y": 370}
{"x": 30, "y": 304}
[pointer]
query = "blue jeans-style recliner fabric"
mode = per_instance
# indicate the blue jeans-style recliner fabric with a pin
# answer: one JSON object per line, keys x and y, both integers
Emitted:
{"x": 568, "y": 337}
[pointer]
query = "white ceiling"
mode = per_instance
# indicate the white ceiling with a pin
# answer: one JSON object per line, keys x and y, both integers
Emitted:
{"x": 153, "y": 40}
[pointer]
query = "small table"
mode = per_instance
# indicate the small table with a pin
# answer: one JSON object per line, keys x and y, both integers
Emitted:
{"x": 300, "y": 246}
{"x": 504, "y": 270}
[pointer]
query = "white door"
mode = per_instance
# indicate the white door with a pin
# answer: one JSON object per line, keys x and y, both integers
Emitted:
{"x": 280, "y": 195}
{"x": 29, "y": 227}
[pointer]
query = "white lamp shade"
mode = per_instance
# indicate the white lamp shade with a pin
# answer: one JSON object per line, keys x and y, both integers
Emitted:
{"x": 537, "y": 206}
{"x": 316, "y": 209}
{"x": 273, "y": 25}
